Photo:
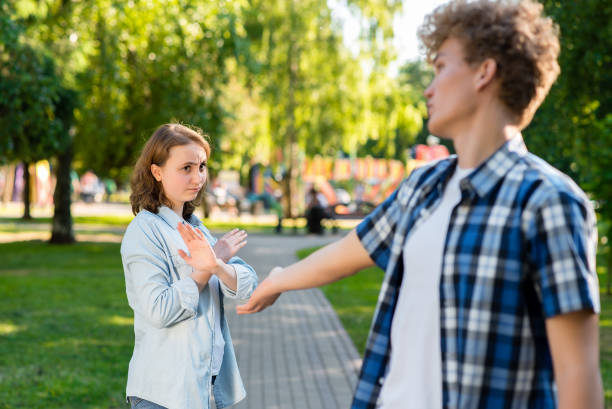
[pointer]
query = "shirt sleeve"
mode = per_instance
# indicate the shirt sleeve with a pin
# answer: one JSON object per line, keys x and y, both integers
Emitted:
{"x": 563, "y": 239}
{"x": 376, "y": 231}
{"x": 148, "y": 288}
{"x": 246, "y": 280}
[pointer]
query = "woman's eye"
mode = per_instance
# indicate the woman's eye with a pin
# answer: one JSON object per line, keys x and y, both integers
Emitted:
{"x": 187, "y": 168}
{"x": 202, "y": 167}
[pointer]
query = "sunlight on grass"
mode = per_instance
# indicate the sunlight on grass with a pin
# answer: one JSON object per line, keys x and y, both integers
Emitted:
{"x": 8, "y": 328}
{"x": 605, "y": 323}
{"x": 119, "y": 320}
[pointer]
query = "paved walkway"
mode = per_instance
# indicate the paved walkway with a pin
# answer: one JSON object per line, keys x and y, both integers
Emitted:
{"x": 295, "y": 354}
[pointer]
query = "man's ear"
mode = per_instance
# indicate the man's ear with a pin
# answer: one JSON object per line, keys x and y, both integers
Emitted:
{"x": 485, "y": 73}
{"x": 156, "y": 172}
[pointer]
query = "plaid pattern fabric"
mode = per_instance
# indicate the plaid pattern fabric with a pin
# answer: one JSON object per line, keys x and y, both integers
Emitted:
{"x": 520, "y": 248}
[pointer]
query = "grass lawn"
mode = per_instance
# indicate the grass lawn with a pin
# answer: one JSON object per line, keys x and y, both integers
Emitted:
{"x": 66, "y": 332}
{"x": 354, "y": 299}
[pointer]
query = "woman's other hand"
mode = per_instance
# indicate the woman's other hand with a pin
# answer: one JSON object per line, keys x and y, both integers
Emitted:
{"x": 228, "y": 245}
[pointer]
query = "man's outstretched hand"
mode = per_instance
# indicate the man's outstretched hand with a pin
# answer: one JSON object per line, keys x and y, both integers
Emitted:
{"x": 264, "y": 295}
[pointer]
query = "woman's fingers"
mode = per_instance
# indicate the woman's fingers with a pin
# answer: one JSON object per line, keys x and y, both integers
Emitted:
{"x": 241, "y": 245}
{"x": 239, "y": 236}
{"x": 183, "y": 232}
{"x": 199, "y": 234}
{"x": 184, "y": 255}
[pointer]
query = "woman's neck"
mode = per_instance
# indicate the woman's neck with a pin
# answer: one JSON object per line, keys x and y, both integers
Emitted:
{"x": 178, "y": 209}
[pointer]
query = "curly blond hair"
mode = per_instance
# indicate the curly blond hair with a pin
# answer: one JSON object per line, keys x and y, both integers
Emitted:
{"x": 147, "y": 193}
{"x": 523, "y": 42}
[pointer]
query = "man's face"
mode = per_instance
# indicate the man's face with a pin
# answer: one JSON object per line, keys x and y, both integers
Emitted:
{"x": 451, "y": 96}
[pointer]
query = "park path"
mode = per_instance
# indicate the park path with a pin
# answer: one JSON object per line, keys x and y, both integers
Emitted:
{"x": 295, "y": 354}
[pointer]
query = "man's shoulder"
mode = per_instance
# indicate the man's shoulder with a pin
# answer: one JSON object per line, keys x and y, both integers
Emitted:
{"x": 427, "y": 173}
{"x": 548, "y": 182}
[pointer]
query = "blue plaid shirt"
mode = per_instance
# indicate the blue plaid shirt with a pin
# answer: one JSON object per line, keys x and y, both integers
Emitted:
{"x": 520, "y": 248}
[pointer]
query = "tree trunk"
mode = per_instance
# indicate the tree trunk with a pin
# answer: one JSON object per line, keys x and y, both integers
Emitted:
{"x": 291, "y": 137}
{"x": 609, "y": 270}
{"x": 26, "y": 192}
{"x": 62, "y": 230}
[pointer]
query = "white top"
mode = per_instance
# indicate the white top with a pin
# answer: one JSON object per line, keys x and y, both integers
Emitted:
{"x": 414, "y": 379}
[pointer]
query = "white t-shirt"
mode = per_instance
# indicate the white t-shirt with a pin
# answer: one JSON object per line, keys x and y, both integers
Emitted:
{"x": 414, "y": 379}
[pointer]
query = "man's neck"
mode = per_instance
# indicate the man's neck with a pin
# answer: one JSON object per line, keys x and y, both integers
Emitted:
{"x": 486, "y": 133}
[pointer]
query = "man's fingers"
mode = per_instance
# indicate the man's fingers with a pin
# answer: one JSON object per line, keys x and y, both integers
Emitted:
{"x": 247, "y": 309}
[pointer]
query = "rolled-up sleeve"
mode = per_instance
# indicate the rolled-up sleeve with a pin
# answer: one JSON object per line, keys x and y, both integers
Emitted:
{"x": 149, "y": 291}
{"x": 246, "y": 280}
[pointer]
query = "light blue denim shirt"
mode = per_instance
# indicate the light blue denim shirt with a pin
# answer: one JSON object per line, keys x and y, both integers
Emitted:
{"x": 173, "y": 323}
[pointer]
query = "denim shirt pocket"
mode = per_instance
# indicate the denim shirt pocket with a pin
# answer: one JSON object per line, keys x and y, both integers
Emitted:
{"x": 180, "y": 266}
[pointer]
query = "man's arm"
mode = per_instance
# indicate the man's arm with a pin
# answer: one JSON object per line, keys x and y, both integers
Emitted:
{"x": 574, "y": 345}
{"x": 337, "y": 260}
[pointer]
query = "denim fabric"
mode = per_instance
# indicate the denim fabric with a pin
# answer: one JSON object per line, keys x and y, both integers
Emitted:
{"x": 138, "y": 403}
{"x": 173, "y": 323}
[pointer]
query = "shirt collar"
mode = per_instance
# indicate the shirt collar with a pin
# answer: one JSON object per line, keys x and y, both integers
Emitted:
{"x": 493, "y": 169}
{"x": 172, "y": 218}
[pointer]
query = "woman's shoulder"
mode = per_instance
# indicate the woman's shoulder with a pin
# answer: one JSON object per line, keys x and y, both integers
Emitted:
{"x": 143, "y": 218}
{"x": 144, "y": 225}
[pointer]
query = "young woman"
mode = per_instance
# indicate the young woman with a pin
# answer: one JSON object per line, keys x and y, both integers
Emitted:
{"x": 176, "y": 282}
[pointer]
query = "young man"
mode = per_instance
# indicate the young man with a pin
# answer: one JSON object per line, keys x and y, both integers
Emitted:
{"x": 490, "y": 296}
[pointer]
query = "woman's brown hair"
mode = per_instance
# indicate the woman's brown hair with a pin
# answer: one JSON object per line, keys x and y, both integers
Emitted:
{"x": 523, "y": 42}
{"x": 147, "y": 193}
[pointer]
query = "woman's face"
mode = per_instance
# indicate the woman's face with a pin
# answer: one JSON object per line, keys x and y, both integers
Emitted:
{"x": 183, "y": 174}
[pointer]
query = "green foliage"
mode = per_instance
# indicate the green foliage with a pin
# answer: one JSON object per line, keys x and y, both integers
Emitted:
{"x": 137, "y": 65}
{"x": 29, "y": 96}
{"x": 262, "y": 78}
{"x": 573, "y": 128}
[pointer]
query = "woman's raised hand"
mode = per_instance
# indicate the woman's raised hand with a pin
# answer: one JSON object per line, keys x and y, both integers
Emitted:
{"x": 228, "y": 245}
{"x": 201, "y": 256}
